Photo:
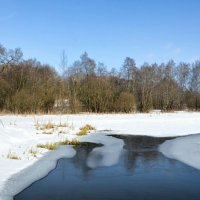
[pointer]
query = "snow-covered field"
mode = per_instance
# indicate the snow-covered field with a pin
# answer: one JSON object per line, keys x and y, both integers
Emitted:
{"x": 20, "y": 135}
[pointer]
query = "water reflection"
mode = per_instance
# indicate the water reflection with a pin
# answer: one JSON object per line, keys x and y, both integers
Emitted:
{"x": 80, "y": 159}
{"x": 108, "y": 154}
{"x": 141, "y": 150}
{"x": 141, "y": 173}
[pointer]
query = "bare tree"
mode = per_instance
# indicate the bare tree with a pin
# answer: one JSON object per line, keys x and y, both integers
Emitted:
{"x": 9, "y": 57}
{"x": 88, "y": 65}
{"x": 63, "y": 64}
{"x": 195, "y": 84}
{"x": 128, "y": 72}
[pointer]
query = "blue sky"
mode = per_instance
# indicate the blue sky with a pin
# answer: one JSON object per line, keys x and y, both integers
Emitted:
{"x": 109, "y": 30}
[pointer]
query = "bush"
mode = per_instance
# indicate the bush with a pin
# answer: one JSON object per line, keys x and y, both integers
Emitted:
{"x": 22, "y": 102}
{"x": 126, "y": 102}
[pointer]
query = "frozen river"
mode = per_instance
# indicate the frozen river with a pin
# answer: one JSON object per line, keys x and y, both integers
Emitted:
{"x": 142, "y": 172}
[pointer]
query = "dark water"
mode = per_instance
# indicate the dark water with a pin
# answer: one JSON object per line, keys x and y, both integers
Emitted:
{"x": 142, "y": 173}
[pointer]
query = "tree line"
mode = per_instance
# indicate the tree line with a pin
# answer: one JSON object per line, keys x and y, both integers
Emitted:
{"x": 27, "y": 86}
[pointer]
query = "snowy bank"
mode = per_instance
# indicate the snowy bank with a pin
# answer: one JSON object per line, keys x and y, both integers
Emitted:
{"x": 33, "y": 172}
{"x": 20, "y": 136}
{"x": 185, "y": 149}
{"x": 152, "y": 124}
{"x": 108, "y": 154}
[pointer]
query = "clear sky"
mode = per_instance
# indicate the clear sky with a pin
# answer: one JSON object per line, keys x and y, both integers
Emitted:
{"x": 109, "y": 30}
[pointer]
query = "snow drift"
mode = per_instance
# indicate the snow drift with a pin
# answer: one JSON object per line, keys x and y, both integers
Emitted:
{"x": 185, "y": 149}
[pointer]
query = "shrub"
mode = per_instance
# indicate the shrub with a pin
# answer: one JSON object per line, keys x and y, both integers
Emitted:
{"x": 126, "y": 102}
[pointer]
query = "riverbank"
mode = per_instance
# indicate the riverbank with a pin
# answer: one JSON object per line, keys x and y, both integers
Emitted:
{"x": 20, "y": 135}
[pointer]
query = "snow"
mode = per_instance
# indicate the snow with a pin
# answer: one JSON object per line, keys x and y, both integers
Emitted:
{"x": 185, "y": 149}
{"x": 19, "y": 136}
{"x": 108, "y": 154}
{"x": 34, "y": 171}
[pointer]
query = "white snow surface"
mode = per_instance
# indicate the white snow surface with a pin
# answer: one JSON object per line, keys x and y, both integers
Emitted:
{"x": 185, "y": 149}
{"x": 19, "y": 136}
{"x": 106, "y": 155}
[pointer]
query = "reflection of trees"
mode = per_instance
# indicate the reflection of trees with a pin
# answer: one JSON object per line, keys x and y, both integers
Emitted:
{"x": 82, "y": 154}
{"x": 140, "y": 149}
{"x": 137, "y": 150}
{"x": 130, "y": 160}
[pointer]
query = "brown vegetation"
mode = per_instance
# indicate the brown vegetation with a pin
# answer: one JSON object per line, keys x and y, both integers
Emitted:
{"x": 85, "y": 130}
{"x": 27, "y": 86}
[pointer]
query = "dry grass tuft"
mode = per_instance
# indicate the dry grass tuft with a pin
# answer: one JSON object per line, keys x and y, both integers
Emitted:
{"x": 49, "y": 146}
{"x": 13, "y": 156}
{"x": 68, "y": 142}
{"x": 53, "y": 146}
{"x": 50, "y": 128}
{"x": 88, "y": 127}
{"x": 62, "y": 125}
{"x": 45, "y": 132}
{"x": 85, "y": 130}
{"x": 48, "y": 125}
{"x": 33, "y": 152}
